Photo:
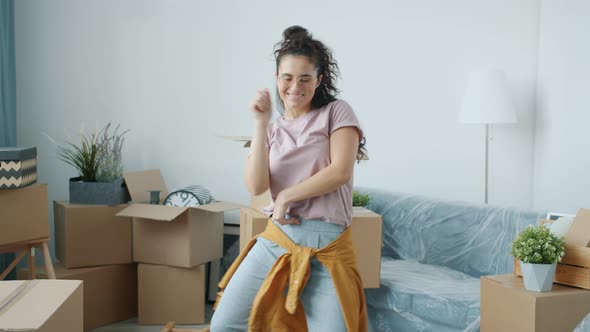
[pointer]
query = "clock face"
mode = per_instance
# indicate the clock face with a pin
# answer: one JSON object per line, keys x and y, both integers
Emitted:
{"x": 182, "y": 198}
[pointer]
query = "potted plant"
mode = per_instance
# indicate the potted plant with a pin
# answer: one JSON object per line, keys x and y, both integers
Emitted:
{"x": 359, "y": 199}
{"x": 98, "y": 160}
{"x": 538, "y": 251}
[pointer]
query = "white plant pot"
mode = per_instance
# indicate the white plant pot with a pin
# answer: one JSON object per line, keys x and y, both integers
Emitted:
{"x": 538, "y": 277}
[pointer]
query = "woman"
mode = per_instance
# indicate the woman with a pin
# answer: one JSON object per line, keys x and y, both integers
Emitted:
{"x": 306, "y": 158}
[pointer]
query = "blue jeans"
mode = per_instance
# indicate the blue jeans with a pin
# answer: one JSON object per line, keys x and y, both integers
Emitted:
{"x": 319, "y": 298}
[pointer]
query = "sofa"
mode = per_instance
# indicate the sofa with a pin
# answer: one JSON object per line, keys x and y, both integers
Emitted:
{"x": 434, "y": 252}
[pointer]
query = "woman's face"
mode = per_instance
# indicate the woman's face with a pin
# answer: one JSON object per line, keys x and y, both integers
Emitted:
{"x": 297, "y": 81}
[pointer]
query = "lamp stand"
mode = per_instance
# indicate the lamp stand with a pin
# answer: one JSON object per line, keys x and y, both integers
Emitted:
{"x": 486, "y": 165}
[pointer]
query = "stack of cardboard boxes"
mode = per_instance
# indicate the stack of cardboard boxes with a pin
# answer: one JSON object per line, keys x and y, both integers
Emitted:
{"x": 52, "y": 305}
{"x": 172, "y": 245}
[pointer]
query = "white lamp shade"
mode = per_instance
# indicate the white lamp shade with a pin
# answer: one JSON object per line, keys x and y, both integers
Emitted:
{"x": 487, "y": 99}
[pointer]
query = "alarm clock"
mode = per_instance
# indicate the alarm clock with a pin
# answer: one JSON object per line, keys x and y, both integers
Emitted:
{"x": 189, "y": 196}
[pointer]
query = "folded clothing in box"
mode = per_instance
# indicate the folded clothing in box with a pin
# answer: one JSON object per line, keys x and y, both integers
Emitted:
{"x": 18, "y": 167}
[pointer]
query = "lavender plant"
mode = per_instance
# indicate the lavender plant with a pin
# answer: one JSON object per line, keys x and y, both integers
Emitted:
{"x": 537, "y": 245}
{"x": 110, "y": 158}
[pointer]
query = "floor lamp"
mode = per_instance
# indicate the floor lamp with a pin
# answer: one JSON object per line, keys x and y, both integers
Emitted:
{"x": 487, "y": 101}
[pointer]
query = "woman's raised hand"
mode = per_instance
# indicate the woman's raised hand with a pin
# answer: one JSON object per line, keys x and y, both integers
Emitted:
{"x": 261, "y": 106}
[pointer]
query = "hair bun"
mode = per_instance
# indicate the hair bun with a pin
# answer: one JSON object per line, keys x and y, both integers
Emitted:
{"x": 296, "y": 33}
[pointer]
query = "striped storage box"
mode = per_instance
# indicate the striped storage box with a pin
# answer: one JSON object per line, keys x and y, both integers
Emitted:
{"x": 18, "y": 167}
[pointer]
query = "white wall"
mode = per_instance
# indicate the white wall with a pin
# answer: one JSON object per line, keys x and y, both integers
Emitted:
{"x": 178, "y": 74}
{"x": 562, "y": 142}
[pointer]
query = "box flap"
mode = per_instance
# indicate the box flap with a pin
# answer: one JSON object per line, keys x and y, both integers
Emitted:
{"x": 156, "y": 212}
{"x": 246, "y": 139}
{"x": 253, "y": 213}
{"x": 18, "y": 299}
{"x": 579, "y": 232}
{"x": 219, "y": 206}
{"x": 140, "y": 182}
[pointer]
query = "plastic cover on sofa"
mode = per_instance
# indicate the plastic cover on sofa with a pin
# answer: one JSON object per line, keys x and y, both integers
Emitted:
{"x": 434, "y": 252}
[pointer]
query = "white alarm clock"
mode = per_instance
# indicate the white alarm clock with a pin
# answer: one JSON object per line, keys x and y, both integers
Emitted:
{"x": 189, "y": 196}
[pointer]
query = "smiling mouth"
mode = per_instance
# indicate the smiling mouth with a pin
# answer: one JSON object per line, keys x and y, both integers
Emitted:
{"x": 295, "y": 94}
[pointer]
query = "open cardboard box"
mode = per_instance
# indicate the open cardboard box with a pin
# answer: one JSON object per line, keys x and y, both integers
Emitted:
{"x": 170, "y": 235}
{"x": 574, "y": 269}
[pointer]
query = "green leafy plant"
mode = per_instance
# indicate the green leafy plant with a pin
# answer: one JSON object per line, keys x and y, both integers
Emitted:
{"x": 537, "y": 245}
{"x": 98, "y": 158}
{"x": 83, "y": 158}
{"x": 360, "y": 200}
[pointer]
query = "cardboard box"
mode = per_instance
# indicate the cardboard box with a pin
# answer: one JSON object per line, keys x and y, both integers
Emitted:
{"x": 24, "y": 214}
{"x": 41, "y": 305}
{"x": 169, "y": 235}
{"x": 367, "y": 238}
{"x": 574, "y": 268}
{"x": 167, "y": 293}
{"x": 252, "y": 223}
{"x": 366, "y": 235}
{"x": 110, "y": 292}
{"x": 507, "y": 306}
{"x": 91, "y": 235}
{"x": 259, "y": 202}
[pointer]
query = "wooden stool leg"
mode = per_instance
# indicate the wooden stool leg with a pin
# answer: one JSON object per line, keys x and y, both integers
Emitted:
{"x": 31, "y": 262}
{"x": 13, "y": 264}
{"x": 48, "y": 265}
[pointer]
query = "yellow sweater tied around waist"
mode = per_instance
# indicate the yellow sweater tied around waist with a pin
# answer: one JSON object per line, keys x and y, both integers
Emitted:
{"x": 272, "y": 311}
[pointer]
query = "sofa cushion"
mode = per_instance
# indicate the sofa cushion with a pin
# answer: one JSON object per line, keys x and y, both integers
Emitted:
{"x": 420, "y": 297}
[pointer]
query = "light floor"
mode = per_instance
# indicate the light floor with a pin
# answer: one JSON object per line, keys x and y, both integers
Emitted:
{"x": 132, "y": 326}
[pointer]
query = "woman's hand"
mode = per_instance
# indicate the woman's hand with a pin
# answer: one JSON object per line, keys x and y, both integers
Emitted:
{"x": 261, "y": 106}
{"x": 280, "y": 210}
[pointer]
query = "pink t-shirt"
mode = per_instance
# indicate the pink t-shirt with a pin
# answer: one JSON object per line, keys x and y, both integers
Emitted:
{"x": 298, "y": 149}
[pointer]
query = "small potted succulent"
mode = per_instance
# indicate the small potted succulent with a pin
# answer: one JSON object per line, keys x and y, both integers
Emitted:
{"x": 538, "y": 251}
{"x": 98, "y": 161}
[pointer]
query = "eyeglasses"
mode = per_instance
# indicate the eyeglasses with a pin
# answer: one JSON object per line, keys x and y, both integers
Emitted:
{"x": 304, "y": 80}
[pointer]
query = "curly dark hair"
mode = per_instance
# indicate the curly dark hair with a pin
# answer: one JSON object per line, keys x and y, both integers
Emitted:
{"x": 298, "y": 41}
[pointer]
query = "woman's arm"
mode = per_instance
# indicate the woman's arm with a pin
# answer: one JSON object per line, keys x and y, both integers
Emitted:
{"x": 257, "y": 173}
{"x": 257, "y": 176}
{"x": 344, "y": 144}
